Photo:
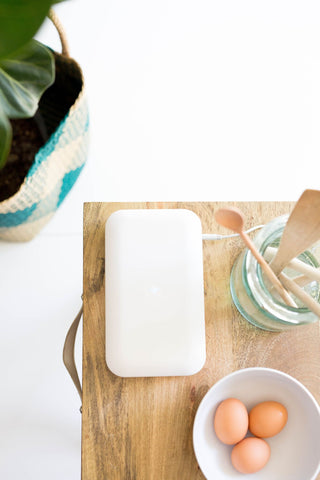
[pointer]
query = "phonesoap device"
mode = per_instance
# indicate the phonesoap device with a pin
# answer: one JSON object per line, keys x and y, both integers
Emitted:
{"x": 154, "y": 293}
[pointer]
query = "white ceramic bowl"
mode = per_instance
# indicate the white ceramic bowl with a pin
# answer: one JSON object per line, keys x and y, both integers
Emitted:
{"x": 295, "y": 451}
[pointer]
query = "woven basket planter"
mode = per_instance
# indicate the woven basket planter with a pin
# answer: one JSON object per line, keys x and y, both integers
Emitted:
{"x": 59, "y": 162}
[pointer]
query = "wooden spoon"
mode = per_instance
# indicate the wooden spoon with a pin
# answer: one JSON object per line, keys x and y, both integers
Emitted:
{"x": 233, "y": 219}
{"x": 301, "y": 231}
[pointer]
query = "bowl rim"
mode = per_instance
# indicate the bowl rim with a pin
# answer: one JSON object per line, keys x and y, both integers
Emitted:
{"x": 249, "y": 370}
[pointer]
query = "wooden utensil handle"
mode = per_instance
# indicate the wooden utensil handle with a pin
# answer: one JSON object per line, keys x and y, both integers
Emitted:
{"x": 268, "y": 272}
{"x": 300, "y": 293}
{"x": 296, "y": 264}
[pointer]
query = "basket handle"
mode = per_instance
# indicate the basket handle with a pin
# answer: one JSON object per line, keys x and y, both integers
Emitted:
{"x": 62, "y": 35}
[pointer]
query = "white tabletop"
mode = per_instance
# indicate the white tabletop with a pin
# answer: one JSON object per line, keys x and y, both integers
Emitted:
{"x": 189, "y": 100}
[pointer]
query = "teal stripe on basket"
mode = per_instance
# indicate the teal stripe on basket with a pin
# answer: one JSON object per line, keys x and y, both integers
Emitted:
{"x": 13, "y": 219}
{"x": 67, "y": 183}
{"x": 73, "y": 133}
{"x": 46, "y": 150}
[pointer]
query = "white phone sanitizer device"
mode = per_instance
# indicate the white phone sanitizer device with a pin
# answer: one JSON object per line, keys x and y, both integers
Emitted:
{"x": 155, "y": 322}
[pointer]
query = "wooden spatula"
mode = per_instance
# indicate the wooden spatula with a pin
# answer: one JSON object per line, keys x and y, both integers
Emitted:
{"x": 301, "y": 231}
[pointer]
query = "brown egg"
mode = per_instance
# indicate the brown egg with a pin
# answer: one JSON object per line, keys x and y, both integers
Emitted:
{"x": 231, "y": 421}
{"x": 250, "y": 455}
{"x": 267, "y": 419}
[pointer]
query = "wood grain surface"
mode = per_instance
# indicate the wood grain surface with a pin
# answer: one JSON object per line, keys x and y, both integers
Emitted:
{"x": 141, "y": 428}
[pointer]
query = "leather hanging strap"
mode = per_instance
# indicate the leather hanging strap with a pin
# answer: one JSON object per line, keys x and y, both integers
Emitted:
{"x": 68, "y": 352}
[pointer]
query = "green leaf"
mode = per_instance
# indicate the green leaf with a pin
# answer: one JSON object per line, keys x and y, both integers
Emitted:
{"x": 24, "y": 76}
{"x": 19, "y": 21}
{"x": 5, "y": 137}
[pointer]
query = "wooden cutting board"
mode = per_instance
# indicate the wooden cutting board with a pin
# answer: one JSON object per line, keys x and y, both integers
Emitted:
{"x": 141, "y": 428}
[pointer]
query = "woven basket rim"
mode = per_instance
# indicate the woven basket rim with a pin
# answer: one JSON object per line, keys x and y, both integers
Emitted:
{"x": 18, "y": 193}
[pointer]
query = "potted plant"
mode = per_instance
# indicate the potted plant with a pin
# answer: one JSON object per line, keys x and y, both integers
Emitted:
{"x": 43, "y": 120}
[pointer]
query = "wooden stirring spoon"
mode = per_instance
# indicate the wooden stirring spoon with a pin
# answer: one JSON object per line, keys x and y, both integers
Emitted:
{"x": 233, "y": 219}
{"x": 301, "y": 231}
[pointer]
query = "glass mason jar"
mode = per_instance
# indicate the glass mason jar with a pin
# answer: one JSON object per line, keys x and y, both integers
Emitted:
{"x": 251, "y": 293}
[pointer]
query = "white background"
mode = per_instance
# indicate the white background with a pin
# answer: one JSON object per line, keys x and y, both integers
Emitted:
{"x": 189, "y": 100}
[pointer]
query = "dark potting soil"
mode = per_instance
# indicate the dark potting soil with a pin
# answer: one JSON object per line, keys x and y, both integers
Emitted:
{"x": 29, "y": 135}
{"x": 26, "y": 141}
